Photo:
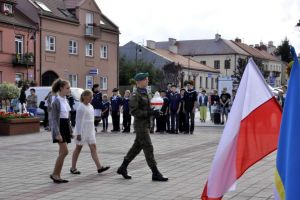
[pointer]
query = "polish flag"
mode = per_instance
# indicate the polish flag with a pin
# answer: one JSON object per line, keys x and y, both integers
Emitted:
{"x": 250, "y": 133}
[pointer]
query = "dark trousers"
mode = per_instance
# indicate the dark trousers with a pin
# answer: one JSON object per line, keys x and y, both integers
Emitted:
{"x": 115, "y": 115}
{"x": 142, "y": 142}
{"x": 73, "y": 117}
{"x": 189, "y": 116}
{"x": 126, "y": 120}
{"x": 105, "y": 122}
{"x": 46, "y": 118}
{"x": 161, "y": 122}
{"x": 168, "y": 122}
{"x": 174, "y": 121}
{"x": 181, "y": 121}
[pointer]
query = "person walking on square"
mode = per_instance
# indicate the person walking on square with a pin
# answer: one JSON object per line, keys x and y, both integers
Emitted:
{"x": 115, "y": 103}
{"x": 190, "y": 102}
{"x": 85, "y": 132}
{"x": 139, "y": 105}
{"x": 22, "y": 98}
{"x": 203, "y": 100}
{"x": 60, "y": 126}
{"x": 126, "y": 114}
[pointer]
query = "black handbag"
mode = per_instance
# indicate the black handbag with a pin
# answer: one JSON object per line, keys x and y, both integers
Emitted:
{"x": 42, "y": 105}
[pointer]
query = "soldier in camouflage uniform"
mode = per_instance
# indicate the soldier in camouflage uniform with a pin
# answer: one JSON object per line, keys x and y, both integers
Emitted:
{"x": 139, "y": 105}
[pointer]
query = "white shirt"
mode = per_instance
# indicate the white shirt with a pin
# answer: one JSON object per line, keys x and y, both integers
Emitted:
{"x": 64, "y": 107}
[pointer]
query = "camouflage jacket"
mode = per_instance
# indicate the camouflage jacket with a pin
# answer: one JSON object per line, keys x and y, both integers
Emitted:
{"x": 139, "y": 105}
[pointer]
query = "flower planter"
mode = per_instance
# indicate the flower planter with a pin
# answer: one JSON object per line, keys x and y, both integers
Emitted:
{"x": 19, "y": 126}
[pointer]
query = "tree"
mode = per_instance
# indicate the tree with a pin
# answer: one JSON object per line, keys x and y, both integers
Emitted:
{"x": 128, "y": 69}
{"x": 171, "y": 74}
{"x": 8, "y": 92}
{"x": 284, "y": 51}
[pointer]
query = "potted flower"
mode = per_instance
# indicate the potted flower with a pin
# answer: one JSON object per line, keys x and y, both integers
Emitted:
{"x": 18, "y": 123}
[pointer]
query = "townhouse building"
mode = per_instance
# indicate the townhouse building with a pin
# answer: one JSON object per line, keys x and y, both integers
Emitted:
{"x": 18, "y": 45}
{"x": 204, "y": 77}
{"x": 77, "y": 42}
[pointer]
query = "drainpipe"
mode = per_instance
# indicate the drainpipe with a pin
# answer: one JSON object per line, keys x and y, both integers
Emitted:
{"x": 40, "y": 50}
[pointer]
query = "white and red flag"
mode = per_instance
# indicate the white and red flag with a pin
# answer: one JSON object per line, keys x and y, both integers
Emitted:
{"x": 250, "y": 133}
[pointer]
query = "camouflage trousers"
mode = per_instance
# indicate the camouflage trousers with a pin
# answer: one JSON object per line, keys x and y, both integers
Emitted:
{"x": 142, "y": 142}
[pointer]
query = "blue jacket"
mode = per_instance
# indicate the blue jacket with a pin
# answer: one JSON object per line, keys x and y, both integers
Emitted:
{"x": 97, "y": 100}
{"x": 205, "y": 100}
{"x": 115, "y": 102}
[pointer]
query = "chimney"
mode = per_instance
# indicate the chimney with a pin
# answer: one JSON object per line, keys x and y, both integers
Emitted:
{"x": 256, "y": 46}
{"x": 251, "y": 45}
{"x": 238, "y": 40}
{"x": 261, "y": 43}
{"x": 172, "y": 41}
{"x": 173, "y": 49}
{"x": 150, "y": 44}
{"x": 217, "y": 36}
{"x": 270, "y": 44}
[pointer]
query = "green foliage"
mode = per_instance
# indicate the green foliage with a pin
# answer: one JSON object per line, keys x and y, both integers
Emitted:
{"x": 129, "y": 68}
{"x": 284, "y": 51}
{"x": 9, "y": 91}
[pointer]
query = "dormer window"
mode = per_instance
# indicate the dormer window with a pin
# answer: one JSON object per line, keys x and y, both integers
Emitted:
{"x": 7, "y": 9}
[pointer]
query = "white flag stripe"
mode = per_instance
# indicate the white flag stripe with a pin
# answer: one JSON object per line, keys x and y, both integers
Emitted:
{"x": 250, "y": 95}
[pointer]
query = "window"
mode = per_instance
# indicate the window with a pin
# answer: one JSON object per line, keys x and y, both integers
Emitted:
{"x": 212, "y": 83}
{"x": 73, "y": 80}
{"x": 206, "y": 82}
{"x": 43, "y": 6}
{"x": 200, "y": 85}
{"x": 19, "y": 44}
{"x": 217, "y": 86}
{"x": 0, "y": 40}
{"x": 7, "y": 8}
{"x": 50, "y": 43}
{"x": 103, "y": 51}
{"x": 89, "y": 81}
{"x": 217, "y": 64}
{"x": 19, "y": 77}
{"x": 72, "y": 47}
{"x": 203, "y": 62}
{"x": 227, "y": 64}
{"x": 89, "y": 49}
{"x": 103, "y": 83}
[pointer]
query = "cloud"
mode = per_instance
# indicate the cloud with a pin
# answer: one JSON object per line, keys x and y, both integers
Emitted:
{"x": 253, "y": 21}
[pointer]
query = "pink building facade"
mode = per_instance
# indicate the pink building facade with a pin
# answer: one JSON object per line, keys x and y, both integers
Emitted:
{"x": 18, "y": 45}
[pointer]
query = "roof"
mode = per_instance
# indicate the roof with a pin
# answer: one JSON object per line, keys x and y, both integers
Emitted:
{"x": 108, "y": 24}
{"x": 18, "y": 19}
{"x": 254, "y": 52}
{"x": 204, "y": 47}
{"x": 73, "y": 3}
{"x": 58, "y": 10}
{"x": 185, "y": 62}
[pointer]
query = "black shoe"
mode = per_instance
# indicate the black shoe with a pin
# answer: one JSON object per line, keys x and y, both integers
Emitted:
{"x": 58, "y": 180}
{"x": 124, "y": 173}
{"x": 159, "y": 177}
{"x": 191, "y": 132}
{"x": 74, "y": 171}
{"x": 102, "y": 169}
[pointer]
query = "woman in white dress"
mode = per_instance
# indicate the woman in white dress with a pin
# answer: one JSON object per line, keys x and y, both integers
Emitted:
{"x": 85, "y": 132}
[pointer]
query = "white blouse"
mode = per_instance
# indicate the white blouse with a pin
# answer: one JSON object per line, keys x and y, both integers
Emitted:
{"x": 64, "y": 107}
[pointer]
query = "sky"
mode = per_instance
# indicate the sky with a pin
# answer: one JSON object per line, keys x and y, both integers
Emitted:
{"x": 253, "y": 21}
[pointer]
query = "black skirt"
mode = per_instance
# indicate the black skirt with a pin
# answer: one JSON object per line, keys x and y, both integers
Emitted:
{"x": 64, "y": 130}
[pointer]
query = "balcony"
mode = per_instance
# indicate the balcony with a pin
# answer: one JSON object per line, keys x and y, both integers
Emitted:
{"x": 92, "y": 31}
{"x": 26, "y": 59}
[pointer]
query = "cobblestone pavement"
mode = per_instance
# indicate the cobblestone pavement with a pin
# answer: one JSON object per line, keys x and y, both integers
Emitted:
{"x": 27, "y": 160}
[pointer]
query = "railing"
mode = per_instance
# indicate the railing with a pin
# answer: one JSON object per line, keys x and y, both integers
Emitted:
{"x": 23, "y": 59}
{"x": 91, "y": 30}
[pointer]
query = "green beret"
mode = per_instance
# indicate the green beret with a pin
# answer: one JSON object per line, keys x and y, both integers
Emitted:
{"x": 141, "y": 76}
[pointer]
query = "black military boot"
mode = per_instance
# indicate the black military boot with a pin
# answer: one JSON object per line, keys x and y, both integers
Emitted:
{"x": 157, "y": 176}
{"x": 123, "y": 169}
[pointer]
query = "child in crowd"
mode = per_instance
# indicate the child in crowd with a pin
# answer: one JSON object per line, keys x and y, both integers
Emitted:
{"x": 105, "y": 112}
{"x": 85, "y": 132}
